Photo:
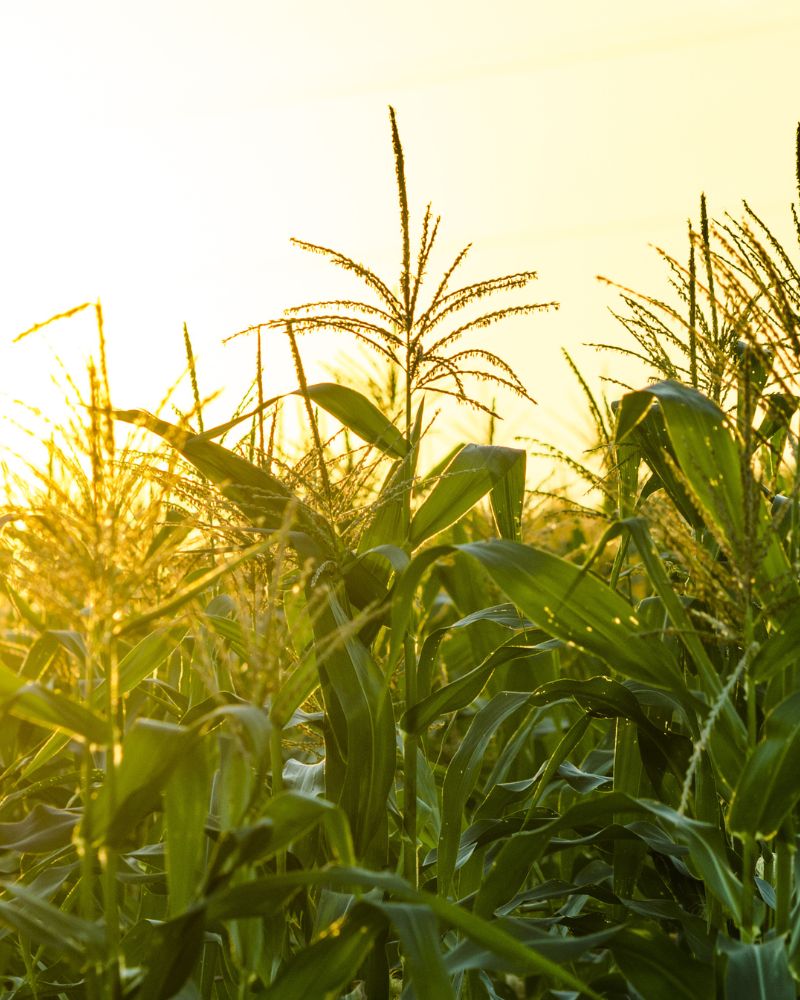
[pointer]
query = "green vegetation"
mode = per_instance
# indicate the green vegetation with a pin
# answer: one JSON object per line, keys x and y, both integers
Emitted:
{"x": 316, "y": 722}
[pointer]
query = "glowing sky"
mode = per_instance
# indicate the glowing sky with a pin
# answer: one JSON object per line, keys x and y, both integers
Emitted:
{"x": 159, "y": 155}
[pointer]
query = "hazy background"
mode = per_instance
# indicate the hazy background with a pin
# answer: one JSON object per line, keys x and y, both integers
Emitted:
{"x": 158, "y": 156}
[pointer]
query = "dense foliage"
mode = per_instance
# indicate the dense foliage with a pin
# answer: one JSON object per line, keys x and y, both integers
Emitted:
{"x": 331, "y": 725}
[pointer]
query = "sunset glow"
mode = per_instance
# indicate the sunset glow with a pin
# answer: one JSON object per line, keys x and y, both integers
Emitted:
{"x": 160, "y": 160}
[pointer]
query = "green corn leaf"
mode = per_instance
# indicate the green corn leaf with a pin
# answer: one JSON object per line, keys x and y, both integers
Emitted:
{"x": 658, "y": 969}
{"x": 461, "y": 775}
{"x": 504, "y": 615}
{"x": 361, "y": 718}
{"x": 418, "y": 930}
{"x": 641, "y": 432}
{"x": 150, "y": 753}
{"x": 168, "y": 951}
{"x": 50, "y": 709}
{"x": 145, "y": 658}
{"x": 47, "y": 646}
{"x": 263, "y": 498}
{"x": 779, "y": 650}
{"x": 137, "y": 664}
{"x": 490, "y": 935}
{"x": 43, "y": 829}
{"x": 432, "y": 476}
{"x": 601, "y": 697}
{"x": 49, "y": 926}
{"x": 728, "y": 738}
{"x": 323, "y": 969}
{"x": 757, "y": 971}
{"x": 389, "y": 524}
{"x": 668, "y": 909}
{"x": 186, "y": 807}
{"x": 360, "y": 415}
{"x": 577, "y": 607}
{"x": 705, "y": 843}
{"x": 604, "y": 697}
{"x": 244, "y": 900}
{"x": 463, "y": 691}
{"x": 297, "y": 687}
{"x": 474, "y": 471}
{"x": 708, "y": 850}
{"x": 554, "y": 946}
{"x": 243, "y": 642}
{"x": 563, "y": 600}
{"x": 508, "y": 498}
{"x": 709, "y": 457}
{"x": 704, "y": 448}
{"x": 513, "y": 861}
{"x": 286, "y": 818}
{"x": 769, "y": 786}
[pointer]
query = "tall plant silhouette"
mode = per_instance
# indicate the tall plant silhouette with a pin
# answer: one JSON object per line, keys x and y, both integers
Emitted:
{"x": 420, "y": 337}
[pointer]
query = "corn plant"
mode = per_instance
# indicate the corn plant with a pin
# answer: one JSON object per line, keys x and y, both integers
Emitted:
{"x": 335, "y": 727}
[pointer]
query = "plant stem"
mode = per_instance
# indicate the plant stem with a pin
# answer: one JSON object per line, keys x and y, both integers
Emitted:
{"x": 568, "y": 742}
{"x": 410, "y": 868}
{"x": 276, "y": 767}
{"x": 748, "y": 860}
{"x": 619, "y": 561}
{"x": 784, "y": 876}
{"x": 320, "y": 451}
{"x": 84, "y": 843}
{"x": 692, "y": 311}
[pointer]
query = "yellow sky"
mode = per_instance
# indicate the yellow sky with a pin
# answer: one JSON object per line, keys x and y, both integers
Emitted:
{"x": 158, "y": 156}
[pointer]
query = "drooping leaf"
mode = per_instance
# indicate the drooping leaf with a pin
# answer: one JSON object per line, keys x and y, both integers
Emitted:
{"x": 659, "y": 969}
{"x": 706, "y": 845}
{"x": 462, "y": 691}
{"x": 325, "y": 967}
{"x": 418, "y": 930}
{"x": 50, "y": 709}
{"x": 710, "y": 459}
{"x": 262, "y": 497}
{"x": 603, "y": 697}
{"x": 389, "y": 521}
{"x": 43, "y": 829}
{"x": 488, "y": 934}
{"x": 266, "y": 501}
{"x": 555, "y": 946}
{"x": 287, "y": 817}
{"x": 360, "y": 415}
{"x": 562, "y": 600}
{"x": 47, "y": 646}
{"x": 504, "y": 615}
{"x": 50, "y": 926}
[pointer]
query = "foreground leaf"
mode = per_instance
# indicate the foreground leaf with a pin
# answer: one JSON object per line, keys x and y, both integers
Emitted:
{"x": 769, "y": 786}
{"x": 473, "y": 472}
{"x": 562, "y": 600}
{"x": 758, "y": 971}
{"x": 360, "y": 415}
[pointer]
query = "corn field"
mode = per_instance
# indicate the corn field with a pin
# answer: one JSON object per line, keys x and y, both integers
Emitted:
{"x": 329, "y": 718}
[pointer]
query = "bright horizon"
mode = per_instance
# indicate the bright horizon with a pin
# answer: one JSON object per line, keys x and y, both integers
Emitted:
{"x": 159, "y": 160}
